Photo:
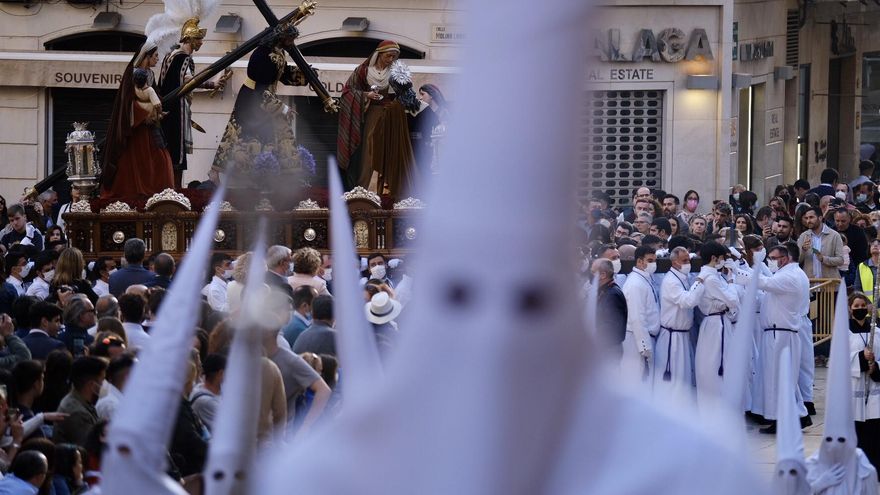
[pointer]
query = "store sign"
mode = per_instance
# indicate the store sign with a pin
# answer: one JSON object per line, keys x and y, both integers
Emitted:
{"x": 773, "y": 120}
{"x": 669, "y": 45}
{"x": 94, "y": 79}
{"x": 758, "y": 50}
{"x": 446, "y": 33}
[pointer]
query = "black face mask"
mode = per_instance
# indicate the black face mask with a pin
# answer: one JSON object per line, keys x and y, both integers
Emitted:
{"x": 860, "y": 314}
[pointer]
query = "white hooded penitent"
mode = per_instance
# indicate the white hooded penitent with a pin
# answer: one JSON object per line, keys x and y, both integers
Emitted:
{"x": 492, "y": 389}
{"x": 234, "y": 438}
{"x": 790, "y": 477}
{"x": 134, "y": 462}
{"x": 838, "y": 448}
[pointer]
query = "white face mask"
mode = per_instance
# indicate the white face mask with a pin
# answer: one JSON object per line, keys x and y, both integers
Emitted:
{"x": 686, "y": 268}
{"x": 227, "y": 274}
{"x": 840, "y": 195}
{"x": 26, "y": 269}
{"x": 861, "y": 198}
{"x": 759, "y": 256}
{"x": 328, "y": 274}
{"x": 736, "y": 196}
{"x": 616, "y": 265}
{"x": 773, "y": 265}
{"x": 83, "y": 274}
{"x": 290, "y": 269}
{"x": 652, "y": 267}
{"x": 48, "y": 276}
{"x": 378, "y": 272}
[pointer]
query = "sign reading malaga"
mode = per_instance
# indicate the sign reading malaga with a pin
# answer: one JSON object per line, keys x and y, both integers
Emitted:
{"x": 670, "y": 45}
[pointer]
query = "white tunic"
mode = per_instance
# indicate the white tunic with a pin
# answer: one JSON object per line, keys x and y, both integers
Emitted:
{"x": 718, "y": 300}
{"x": 39, "y": 289}
{"x": 860, "y": 477}
{"x": 785, "y": 292}
{"x": 861, "y": 384}
{"x": 642, "y": 325}
{"x": 756, "y": 382}
{"x": 673, "y": 358}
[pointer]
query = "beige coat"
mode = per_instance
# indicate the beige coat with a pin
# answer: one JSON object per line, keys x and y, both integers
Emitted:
{"x": 832, "y": 253}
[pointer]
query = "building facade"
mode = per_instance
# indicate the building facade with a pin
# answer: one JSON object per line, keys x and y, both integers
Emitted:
{"x": 62, "y": 62}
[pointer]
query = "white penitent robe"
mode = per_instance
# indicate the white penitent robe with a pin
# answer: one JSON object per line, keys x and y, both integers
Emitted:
{"x": 862, "y": 385}
{"x": 642, "y": 326}
{"x": 860, "y": 477}
{"x": 784, "y": 294}
{"x": 755, "y": 399}
{"x": 673, "y": 356}
{"x": 719, "y": 299}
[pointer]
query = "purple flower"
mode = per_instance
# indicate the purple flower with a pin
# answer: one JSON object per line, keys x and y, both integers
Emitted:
{"x": 267, "y": 164}
{"x": 307, "y": 160}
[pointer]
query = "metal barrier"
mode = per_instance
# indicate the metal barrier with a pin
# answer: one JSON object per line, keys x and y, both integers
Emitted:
{"x": 823, "y": 292}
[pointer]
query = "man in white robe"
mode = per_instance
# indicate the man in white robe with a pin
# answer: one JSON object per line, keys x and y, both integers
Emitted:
{"x": 673, "y": 359}
{"x": 720, "y": 298}
{"x": 785, "y": 294}
{"x": 643, "y": 321}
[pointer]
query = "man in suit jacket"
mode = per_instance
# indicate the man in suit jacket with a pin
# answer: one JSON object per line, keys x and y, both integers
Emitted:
{"x": 278, "y": 265}
{"x": 828, "y": 179}
{"x": 133, "y": 273}
{"x": 611, "y": 320}
{"x": 821, "y": 249}
{"x": 45, "y": 321}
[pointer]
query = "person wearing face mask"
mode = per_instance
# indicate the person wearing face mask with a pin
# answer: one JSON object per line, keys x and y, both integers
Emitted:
{"x": 720, "y": 298}
{"x": 673, "y": 360}
{"x": 43, "y": 271}
{"x": 863, "y": 197}
{"x": 611, "y": 320}
{"x": 278, "y": 268}
{"x": 610, "y": 253}
{"x": 100, "y": 271}
{"x": 378, "y": 270}
{"x": 754, "y": 255}
{"x": 865, "y": 385}
{"x": 643, "y": 317}
{"x": 17, "y": 268}
{"x": 786, "y": 293}
{"x": 215, "y": 291}
{"x": 691, "y": 203}
{"x": 87, "y": 377}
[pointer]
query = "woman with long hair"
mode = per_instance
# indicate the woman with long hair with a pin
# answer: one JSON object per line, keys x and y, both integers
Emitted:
{"x": 135, "y": 163}
{"x": 69, "y": 275}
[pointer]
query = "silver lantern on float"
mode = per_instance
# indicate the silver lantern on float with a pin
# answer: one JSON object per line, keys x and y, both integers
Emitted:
{"x": 82, "y": 160}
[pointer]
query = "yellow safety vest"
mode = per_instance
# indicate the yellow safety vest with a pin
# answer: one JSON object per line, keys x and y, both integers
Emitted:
{"x": 866, "y": 275}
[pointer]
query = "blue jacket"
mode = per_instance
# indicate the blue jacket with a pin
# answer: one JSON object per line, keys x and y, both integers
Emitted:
{"x": 41, "y": 345}
{"x": 127, "y": 276}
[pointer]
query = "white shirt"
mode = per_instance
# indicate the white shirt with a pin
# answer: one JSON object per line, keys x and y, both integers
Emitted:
{"x": 137, "y": 337}
{"x": 101, "y": 288}
{"x": 817, "y": 244}
{"x": 18, "y": 284}
{"x": 677, "y": 300}
{"x": 107, "y": 405}
{"x": 39, "y": 288}
{"x": 216, "y": 294}
{"x": 643, "y": 320}
{"x": 65, "y": 208}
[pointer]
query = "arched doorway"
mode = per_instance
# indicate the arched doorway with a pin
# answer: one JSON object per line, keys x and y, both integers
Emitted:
{"x": 69, "y": 105}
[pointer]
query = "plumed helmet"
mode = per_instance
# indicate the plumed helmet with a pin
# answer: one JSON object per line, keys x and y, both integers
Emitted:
{"x": 191, "y": 30}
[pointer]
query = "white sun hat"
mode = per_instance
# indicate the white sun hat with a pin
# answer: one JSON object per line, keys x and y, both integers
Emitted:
{"x": 382, "y": 309}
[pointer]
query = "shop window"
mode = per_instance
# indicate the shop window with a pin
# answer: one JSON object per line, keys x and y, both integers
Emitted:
{"x": 611, "y": 165}
{"x": 870, "y": 132}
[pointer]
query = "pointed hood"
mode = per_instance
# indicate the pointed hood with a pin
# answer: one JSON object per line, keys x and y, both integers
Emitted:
{"x": 358, "y": 354}
{"x": 790, "y": 477}
{"x": 234, "y": 437}
{"x": 738, "y": 363}
{"x": 497, "y": 309}
{"x": 138, "y": 437}
{"x": 839, "y": 435}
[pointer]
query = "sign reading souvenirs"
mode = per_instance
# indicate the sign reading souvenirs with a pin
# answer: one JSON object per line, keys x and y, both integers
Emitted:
{"x": 669, "y": 45}
{"x": 756, "y": 51}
